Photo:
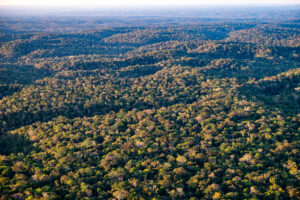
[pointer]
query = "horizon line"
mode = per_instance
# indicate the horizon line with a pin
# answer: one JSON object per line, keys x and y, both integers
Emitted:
{"x": 153, "y": 5}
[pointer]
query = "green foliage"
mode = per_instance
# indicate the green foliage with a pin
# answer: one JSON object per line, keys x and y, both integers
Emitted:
{"x": 195, "y": 111}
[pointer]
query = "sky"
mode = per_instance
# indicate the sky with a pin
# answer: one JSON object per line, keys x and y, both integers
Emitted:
{"x": 139, "y": 2}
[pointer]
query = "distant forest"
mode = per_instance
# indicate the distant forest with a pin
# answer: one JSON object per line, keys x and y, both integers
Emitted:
{"x": 172, "y": 103}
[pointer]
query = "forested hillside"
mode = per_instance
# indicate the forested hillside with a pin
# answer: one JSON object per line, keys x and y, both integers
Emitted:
{"x": 151, "y": 107}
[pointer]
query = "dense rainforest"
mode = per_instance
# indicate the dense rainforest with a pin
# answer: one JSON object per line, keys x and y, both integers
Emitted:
{"x": 141, "y": 106}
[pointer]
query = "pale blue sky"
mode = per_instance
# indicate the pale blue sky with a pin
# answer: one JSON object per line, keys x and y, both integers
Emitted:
{"x": 140, "y": 2}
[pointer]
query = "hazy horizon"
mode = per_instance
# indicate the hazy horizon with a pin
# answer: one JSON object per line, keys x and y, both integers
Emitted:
{"x": 117, "y": 3}
{"x": 202, "y": 11}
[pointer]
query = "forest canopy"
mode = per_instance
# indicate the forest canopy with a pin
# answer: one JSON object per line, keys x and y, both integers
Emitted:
{"x": 204, "y": 104}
